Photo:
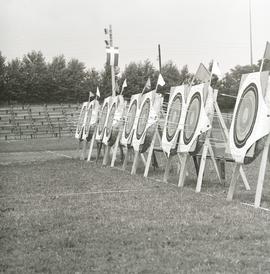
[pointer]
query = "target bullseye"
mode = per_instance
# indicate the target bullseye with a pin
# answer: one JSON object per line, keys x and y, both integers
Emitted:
{"x": 143, "y": 118}
{"x": 192, "y": 118}
{"x": 246, "y": 115}
{"x": 174, "y": 117}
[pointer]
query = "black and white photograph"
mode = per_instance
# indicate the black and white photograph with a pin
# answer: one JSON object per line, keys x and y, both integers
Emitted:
{"x": 134, "y": 136}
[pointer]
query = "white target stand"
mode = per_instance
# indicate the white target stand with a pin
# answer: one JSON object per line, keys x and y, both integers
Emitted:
{"x": 130, "y": 124}
{"x": 100, "y": 128}
{"x": 173, "y": 126}
{"x": 195, "y": 122}
{"x": 251, "y": 122}
{"x": 89, "y": 127}
{"x": 262, "y": 171}
{"x": 80, "y": 127}
{"x": 113, "y": 127}
{"x": 146, "y": 130}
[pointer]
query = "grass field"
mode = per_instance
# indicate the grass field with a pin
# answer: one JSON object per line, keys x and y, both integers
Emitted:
{"x": 63, "y": 215}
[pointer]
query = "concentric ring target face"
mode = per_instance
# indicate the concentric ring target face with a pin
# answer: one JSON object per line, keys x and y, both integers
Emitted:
{"x": 103, "y": 118}
{"x": 246, "y": 115}
{"x": 192, "y": 117}
{"x": 174, "y": 117}
{"x": 88, "y": 120}
{"x": 143, "y": 118}
{"x": 81, "y": 120}
{"x": 130, "y": 118}
{"x": 110, "y": 119}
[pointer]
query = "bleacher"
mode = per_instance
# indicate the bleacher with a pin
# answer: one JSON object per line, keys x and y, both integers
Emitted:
{"x": 38, "y": 121}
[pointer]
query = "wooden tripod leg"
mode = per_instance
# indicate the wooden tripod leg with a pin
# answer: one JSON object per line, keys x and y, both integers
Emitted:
{"x": 244, "y": 178}
{"x": 202, "y": 166}
{"x": 135, "y": 163}
{"x": 211, "y": 151}
{"x": 259, "y": 188}
{"x": 183, "y": 170}
{"x": 233, "y": 181}
{"x": 149, "y": 156}
{"x": 167, "y": 169}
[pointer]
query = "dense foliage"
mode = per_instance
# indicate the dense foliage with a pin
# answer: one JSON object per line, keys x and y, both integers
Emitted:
{"x": 33, "y": 80}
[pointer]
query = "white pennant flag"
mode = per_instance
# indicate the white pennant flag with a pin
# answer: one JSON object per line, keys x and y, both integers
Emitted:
{"x": 160, "y": 81}
{"x": 98, "y": 93}
{"x": 124, "y": 86}
{"x": 216, "y": 69}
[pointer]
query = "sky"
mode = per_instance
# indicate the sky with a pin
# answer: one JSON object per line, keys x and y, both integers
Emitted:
{"x": 189, "y": 31}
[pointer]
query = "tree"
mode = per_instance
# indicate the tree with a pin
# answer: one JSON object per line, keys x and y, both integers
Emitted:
{"x": 57, "y": 84}
{"x": 3, "y": 94}
{"x": 15, "y": 81}
{"x": 137, "y": 75}
{"x": 75, "y": 76}
{"x": 35, "y": 77}
{"x": 230, "y": 85}
{"x": 92, "y": 81}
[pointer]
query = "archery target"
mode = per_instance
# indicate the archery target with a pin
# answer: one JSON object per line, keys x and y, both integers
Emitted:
{"x": 192, "y": 117}
{"x": 195, "y": 118}
{"x": 172, "y": 125}
{"x": 246, "y": 115}
{"x": 174, "y": 117}
{"x": 103, "y": 118}
{"x": 131, "y": 120}
{"x": 91, "y": 120}
{"x": 143, "y": 118}
{"x": 148, "y": 117}
{"x": 110, "y": 119}
{"x": 81, "y": 121}
{"x": 251, "y": 120}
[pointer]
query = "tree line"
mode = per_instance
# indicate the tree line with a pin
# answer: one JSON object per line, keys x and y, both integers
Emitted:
{"x": 33, "y": 80}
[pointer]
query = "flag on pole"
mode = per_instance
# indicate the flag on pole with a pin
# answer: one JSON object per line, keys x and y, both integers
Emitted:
{"x": 267, "y": 51}
{"x": 216, "y": 69}
{"x": 147, "y": 85}
{"x": 202, "y": 73}
{"x": 160, "y": 81}
{"x": 124, "y": 86}
{"x": 98, "y": 93}
{"x": 112, "y": 56}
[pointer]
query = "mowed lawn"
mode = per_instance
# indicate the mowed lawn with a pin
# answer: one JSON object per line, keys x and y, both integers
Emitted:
{"x": 63, "y": 215}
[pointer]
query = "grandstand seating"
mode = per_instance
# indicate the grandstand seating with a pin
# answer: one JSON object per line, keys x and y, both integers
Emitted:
{"x": 38, "y": 121}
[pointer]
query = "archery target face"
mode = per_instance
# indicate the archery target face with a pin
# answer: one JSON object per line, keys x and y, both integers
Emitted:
{"x": 131, "y": 118}
{"x": 81, "y": 120}
{"x": 251, "y": 119}
{"x": 110, "y": 119}
{"x": 174, "y": 117}
{"x": 143, "y": 118}
{"x": 192, "y": 118}
{"x": 103, "y": 117}
{"x": 246, "y": 115}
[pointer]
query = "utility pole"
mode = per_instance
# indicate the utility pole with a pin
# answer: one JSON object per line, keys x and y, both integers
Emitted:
{"x": 112, "y": 67}
{"x": 159, "y": 58}
{"x": 250, "y": 34}
{"x": 111, "y": 50}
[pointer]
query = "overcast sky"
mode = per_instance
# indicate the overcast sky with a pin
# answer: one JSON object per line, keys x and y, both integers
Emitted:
{"x": 189, "y": 31}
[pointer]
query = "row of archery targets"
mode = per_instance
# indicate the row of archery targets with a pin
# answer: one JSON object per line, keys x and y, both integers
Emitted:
{"x": 182, "y": 130}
